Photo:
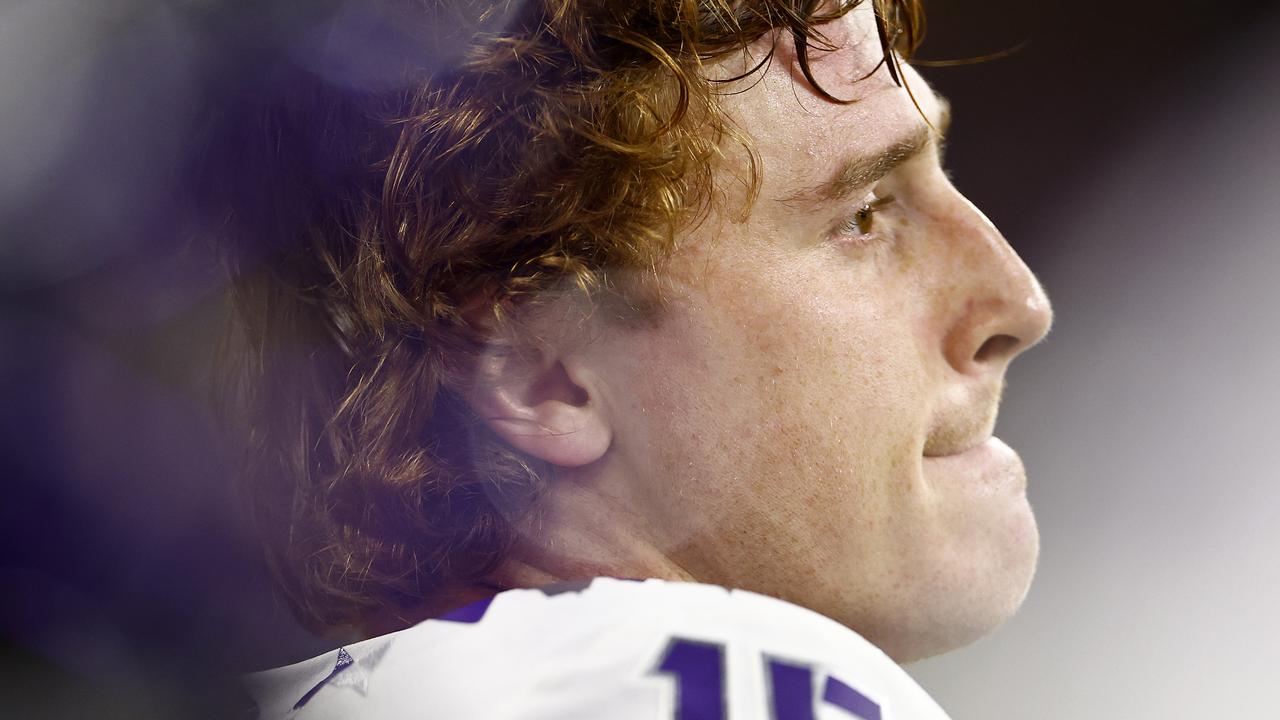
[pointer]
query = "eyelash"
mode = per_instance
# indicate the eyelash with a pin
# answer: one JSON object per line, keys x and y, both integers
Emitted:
{"x": 861, "y": 225}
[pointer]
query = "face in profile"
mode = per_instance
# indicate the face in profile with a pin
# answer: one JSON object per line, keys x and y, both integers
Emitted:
{"x": 812, "y": 418}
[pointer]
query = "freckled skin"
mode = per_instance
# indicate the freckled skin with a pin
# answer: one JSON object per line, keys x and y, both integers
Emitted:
{"x": 771, "y": 431}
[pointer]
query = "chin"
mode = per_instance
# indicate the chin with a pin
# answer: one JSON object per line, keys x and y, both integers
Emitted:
{"x": 982, "y": 600}
{"x": 959, "y": 596}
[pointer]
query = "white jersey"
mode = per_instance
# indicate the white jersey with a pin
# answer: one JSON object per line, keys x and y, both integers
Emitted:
{"x": 604, "y": 650}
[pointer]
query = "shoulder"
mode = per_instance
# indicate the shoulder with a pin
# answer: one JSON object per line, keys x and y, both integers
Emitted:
{"x": 649, "y": 650}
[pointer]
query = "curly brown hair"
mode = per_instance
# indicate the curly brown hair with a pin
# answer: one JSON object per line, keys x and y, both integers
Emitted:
{"x": 559, "y": 141}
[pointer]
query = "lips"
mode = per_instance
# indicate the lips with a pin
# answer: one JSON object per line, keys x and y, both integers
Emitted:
{"x": 964, "y": 421}
{"x": 961, "y": 434}
{"x": 991, "y": 465}
{"x": 947, "y": 450}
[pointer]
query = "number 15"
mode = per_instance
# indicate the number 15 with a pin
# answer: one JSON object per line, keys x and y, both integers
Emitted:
{"x": 698, "y": 670}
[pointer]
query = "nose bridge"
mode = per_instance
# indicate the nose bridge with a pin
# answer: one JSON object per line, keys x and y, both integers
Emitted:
{"x": 1004, "y": 310}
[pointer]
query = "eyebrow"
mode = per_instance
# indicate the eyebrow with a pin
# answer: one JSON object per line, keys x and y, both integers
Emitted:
{"x": 853, "y": 174}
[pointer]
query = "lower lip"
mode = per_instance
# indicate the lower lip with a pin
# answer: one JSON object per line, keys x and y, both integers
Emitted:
{"x": 985, "y": 458}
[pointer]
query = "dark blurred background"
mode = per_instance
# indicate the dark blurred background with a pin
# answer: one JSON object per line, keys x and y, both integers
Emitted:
{"x": 1127, "y": 150}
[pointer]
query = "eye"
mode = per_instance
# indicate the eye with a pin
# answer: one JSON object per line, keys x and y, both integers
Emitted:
{"x": 862, "y": 224}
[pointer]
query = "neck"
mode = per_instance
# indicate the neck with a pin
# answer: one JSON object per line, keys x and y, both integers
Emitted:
{"x": 577, "y": 532}
{"x": 581, "y": 530}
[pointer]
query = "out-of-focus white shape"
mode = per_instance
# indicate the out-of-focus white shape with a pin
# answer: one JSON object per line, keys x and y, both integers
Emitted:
{"x": 46, "y": 48}
{"x": 94, "y": 97}
{"x": 377, "y": 44}
{"x": 1148, "y": 424}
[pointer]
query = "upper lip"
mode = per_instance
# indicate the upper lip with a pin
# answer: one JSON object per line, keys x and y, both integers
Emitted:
{"x": 964, "y": 425}
{"x": 955, "y": 448}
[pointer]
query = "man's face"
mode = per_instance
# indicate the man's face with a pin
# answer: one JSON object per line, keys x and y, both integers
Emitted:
{"x": 812, "y": 418}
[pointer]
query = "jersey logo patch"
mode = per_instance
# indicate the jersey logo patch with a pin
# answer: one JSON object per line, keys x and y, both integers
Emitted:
{"x": 344, "y": 661}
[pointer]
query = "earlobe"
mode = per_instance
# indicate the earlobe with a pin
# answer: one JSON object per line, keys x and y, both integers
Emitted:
{"x": 547, "y": 411}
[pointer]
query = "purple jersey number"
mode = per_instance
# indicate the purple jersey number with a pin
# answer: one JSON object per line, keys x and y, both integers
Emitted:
{"x": 698, "y": 669}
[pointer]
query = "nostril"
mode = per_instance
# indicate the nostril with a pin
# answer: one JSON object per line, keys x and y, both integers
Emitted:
{"x": 997, "y": 347}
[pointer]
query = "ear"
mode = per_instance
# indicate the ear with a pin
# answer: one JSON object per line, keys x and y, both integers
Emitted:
{"x": 546, "y": 407}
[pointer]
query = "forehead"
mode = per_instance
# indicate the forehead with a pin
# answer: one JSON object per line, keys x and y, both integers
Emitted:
{"x": 801, "y": 136}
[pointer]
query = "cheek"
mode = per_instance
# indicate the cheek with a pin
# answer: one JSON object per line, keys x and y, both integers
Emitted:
{"x": 839, "y": 361}
{"x": 774, "y": 397}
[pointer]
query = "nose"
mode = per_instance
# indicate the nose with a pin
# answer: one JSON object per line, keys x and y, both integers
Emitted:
{"x": 999, "y": 309}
